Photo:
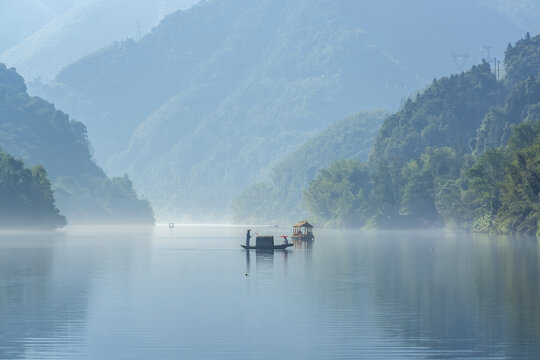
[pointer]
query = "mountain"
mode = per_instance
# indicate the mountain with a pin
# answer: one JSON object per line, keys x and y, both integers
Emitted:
{"x": 34, "y": 130}
{"x": 72, "y": 30}
{"x": 279, "y": 199}
{"x": 214, "y": 96}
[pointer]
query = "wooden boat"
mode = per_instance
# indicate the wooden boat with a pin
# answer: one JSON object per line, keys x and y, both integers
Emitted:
{"x": 267, "y": 243}
{"x": 275, "y": 247}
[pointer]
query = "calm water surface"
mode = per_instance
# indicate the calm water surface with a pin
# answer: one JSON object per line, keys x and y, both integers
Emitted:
{"x": 193, "y": 293}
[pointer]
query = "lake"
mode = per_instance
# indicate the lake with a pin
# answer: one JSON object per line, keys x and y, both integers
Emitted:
{"x": 192, "y": 293}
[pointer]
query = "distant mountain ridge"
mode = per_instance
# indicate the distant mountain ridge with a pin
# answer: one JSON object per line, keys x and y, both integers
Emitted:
{"x": 34, "y": 130}
{"x": 213, "y": 97}
{"x": 278, "y": 199}
{"x": 74, "y": 30}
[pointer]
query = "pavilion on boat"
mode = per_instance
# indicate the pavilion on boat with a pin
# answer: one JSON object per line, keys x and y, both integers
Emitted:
{"x": 302, "y": 231}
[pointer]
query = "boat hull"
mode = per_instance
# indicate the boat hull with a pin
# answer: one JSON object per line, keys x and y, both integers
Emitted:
{"x": 275, "y": 247}
{"x": 303, "y": 237}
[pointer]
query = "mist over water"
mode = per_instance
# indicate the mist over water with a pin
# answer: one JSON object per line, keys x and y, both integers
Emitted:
{"x": 192, "y": 292}
{"x": 352, "y": 113}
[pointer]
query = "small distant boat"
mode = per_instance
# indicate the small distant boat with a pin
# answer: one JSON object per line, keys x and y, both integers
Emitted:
{"x": 267, "y": 243}
{"x": 303, "y": 231}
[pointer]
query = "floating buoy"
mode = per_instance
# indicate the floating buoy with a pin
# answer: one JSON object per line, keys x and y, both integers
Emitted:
{"x": 171, "y": 225}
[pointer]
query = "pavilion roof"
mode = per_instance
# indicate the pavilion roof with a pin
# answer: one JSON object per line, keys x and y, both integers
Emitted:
{"x": 303, "y": 224}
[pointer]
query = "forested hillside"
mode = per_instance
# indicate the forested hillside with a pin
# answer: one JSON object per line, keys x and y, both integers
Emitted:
{"x": 279, "y": 199}
{"x": 453, "y": 156}
{"x": 204, "y": 105}
{"x": 446, "y": 114}
{"x": 522, "y": 64}
{"x": 34, "y": 130}
{"x": 504, "y": 183}
{"x": 27, "y": 197}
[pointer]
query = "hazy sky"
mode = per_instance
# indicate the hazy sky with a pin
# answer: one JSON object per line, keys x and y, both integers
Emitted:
{"x": 39, "y": 37}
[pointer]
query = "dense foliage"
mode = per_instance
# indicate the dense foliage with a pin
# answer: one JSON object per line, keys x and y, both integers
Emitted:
{"x": 520, "y": 190}
{"x": 523, "y": 102}
{"x": 26, "y": 196}
{"x": 279, "y": 199}
{"x": 523, "y": 59}
{"x": 345, "y": 185}
{"x": 34, "y": 130}
{"x": 447, "y": 114}
{"x": 462, "y": 154}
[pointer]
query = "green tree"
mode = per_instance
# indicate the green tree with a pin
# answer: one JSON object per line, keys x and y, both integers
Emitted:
{"x": 484, "y": 187}
{"x": 523, "y": 59}
{"x": 429, "y": 195}
{"x": 520, "y": 203}
{"x": 339, "y": 194}
{"x": 27, "y": 199}
{"x": 504, "y": 183}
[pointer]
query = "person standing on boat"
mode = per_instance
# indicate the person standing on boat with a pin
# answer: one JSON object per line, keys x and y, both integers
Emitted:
{"x": 248, "y": 236}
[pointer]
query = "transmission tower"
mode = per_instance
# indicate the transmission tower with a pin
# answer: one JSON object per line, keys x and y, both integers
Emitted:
{"x": 460, "y": 60}
{"x": 487, "y": 50}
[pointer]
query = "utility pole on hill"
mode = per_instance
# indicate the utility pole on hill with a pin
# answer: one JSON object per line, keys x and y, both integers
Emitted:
{"x": 496, "y": 68}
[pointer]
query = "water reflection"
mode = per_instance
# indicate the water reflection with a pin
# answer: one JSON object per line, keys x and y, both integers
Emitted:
{"x": 184, "y": 294}
{"x": 38, "y": 301}
{"x": 47, "y": 282}
{"x": 248, "y": 264}
{"x": 466, "y": 298}
{"x": 264, "y": 260}
{"x": 303, "y": 244}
